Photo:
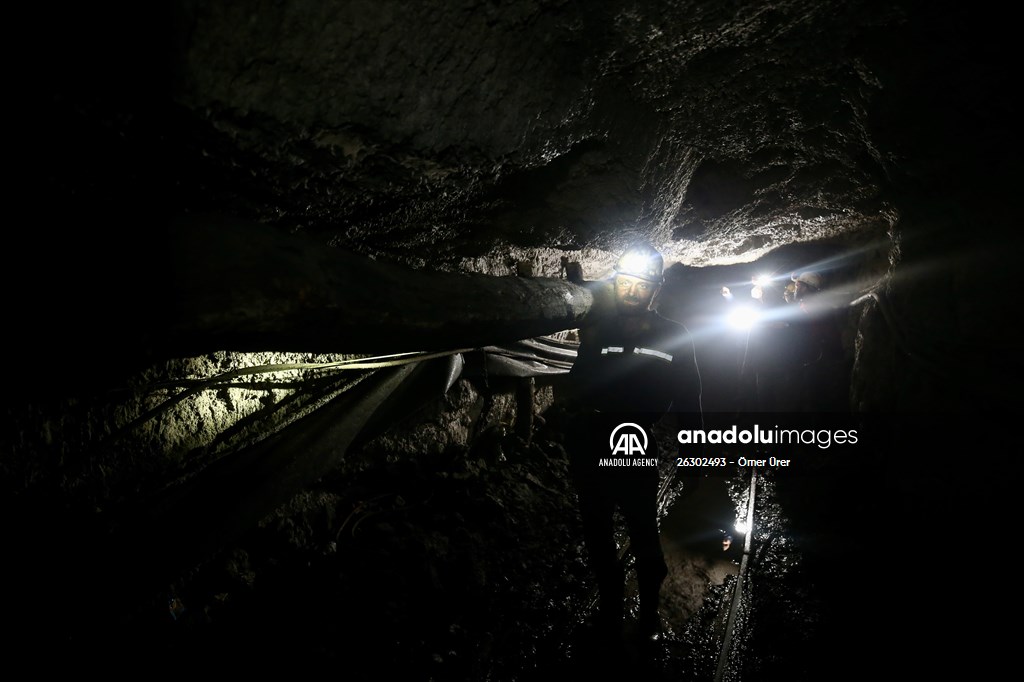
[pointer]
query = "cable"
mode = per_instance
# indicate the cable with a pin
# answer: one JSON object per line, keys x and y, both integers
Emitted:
{"x": 700, "y": 381}
{"x": 373, "y": 362}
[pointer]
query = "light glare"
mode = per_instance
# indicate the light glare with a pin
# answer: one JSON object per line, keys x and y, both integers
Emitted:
{"x": 742, "y": 318}
{"x": 634, "y": 262}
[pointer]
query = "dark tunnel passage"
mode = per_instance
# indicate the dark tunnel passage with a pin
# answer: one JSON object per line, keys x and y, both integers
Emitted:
{"x": 417, "y": 520}
{"x": 298, "y": 287}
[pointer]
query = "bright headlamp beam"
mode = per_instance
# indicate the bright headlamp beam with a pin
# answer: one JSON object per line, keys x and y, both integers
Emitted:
{"x": 742, "y": 318}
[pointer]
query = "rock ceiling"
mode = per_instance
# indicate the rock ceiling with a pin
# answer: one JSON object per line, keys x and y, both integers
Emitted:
{"x": 439, "y": 133}
{"x": 466, "y": 136}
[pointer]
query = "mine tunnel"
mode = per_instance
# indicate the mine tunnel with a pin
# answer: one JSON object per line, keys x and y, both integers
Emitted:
{"x": 295, "y": 290}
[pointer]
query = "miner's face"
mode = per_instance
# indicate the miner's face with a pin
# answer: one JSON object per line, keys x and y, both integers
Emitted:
{"x": 803, "y": 291}
{"x": 633, "y": 295}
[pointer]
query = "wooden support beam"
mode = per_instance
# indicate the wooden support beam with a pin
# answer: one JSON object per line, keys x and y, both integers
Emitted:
{"x": 199, "y": 284}
{"x": 255, "y": 288}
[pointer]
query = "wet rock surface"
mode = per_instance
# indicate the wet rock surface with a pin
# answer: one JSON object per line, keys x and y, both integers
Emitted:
{"x": 463, "y": 561}
{"x": 430, "y": 568}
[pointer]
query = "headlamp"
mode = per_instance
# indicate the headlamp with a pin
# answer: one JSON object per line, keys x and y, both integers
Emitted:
{"x": 642, "y": 261}
{"x": 633, "y": 262}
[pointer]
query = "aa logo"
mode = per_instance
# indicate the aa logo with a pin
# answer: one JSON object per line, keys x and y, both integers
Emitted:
{"x": 628, "y": 439}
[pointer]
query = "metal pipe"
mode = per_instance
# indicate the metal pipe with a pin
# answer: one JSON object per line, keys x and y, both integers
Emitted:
{"x": 723, "y": 656}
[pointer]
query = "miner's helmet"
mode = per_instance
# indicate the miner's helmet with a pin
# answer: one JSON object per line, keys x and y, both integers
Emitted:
{"x": 641, "y": 260}
{"x": 811, "y": 279}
